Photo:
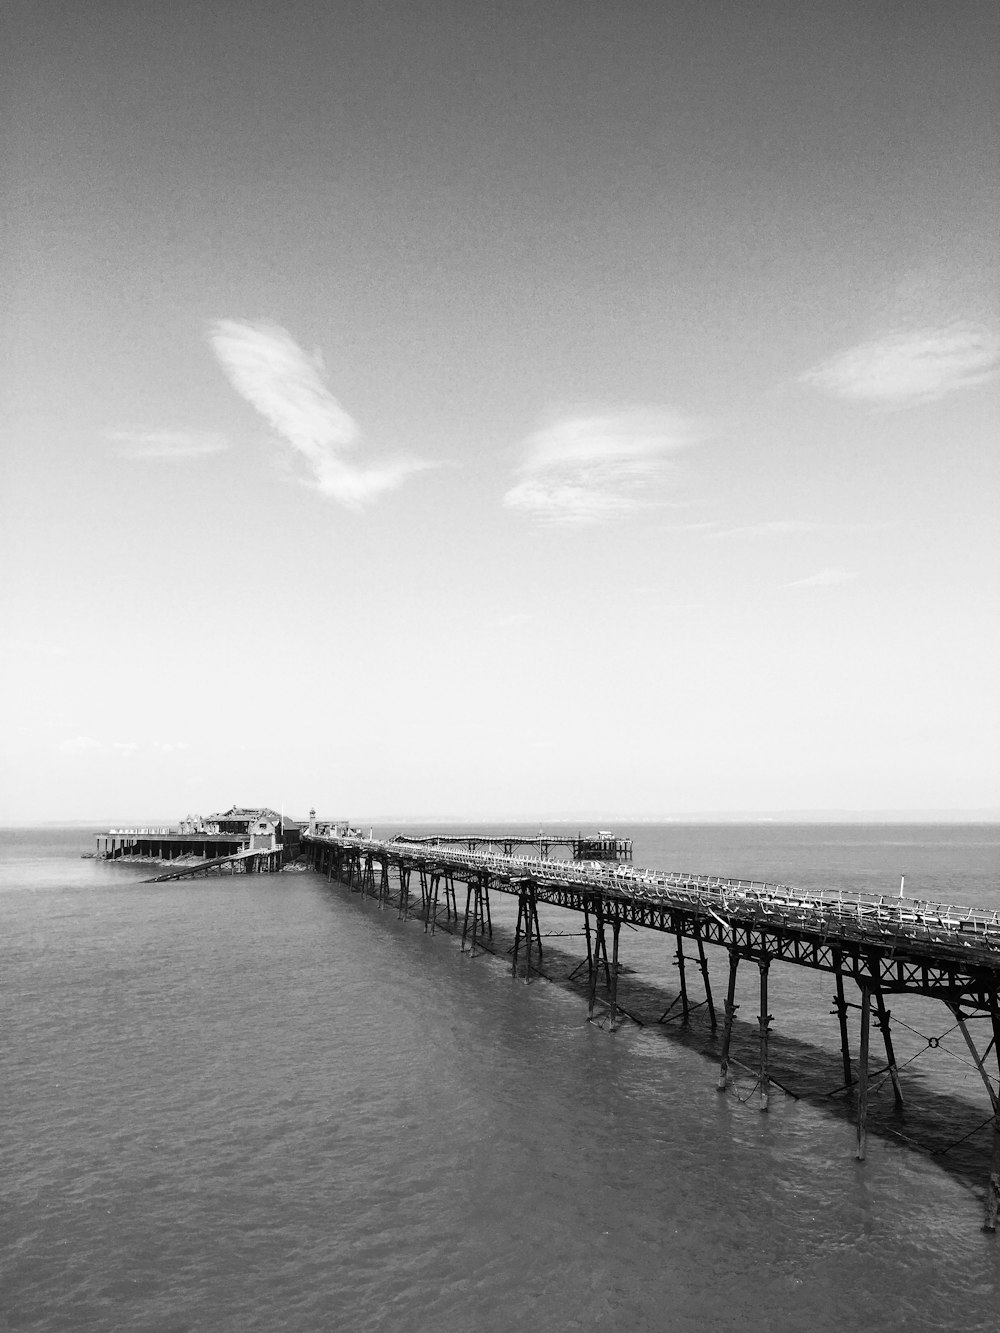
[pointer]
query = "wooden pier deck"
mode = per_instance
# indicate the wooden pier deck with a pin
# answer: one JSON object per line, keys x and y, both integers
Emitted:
{"x": 884, "y": 945}
{"x": 600, "y": 846}
{"x": 240, "y": 863}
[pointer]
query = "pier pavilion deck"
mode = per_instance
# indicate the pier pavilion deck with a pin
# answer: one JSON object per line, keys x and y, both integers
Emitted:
{"x": 884, "y": 945}
{"x": 226, "y": 836}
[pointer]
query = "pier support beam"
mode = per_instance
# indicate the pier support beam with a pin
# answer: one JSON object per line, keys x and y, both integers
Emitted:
{"x": 383, "y": 883}
{"x": 683, "y": 998}
{"x": 882, "y": 1021}
{"x": 431, "y": 902}
{"x": 764, "y": 1020}
{"x": 526, "y": 930}
{"x": 840, "y": 1009}
{"x": 600, "y": 954}
{"x": 730, "y": 1011}
{"x": 703, "y": 968}
{"x": 679, "y": 959}
{"x": 597, "y": 952}
{"x": 993, "y": 1186}
{"x": 616, "y": 925}
{"x": 866, "y": 1010}
{"x": 477, "y": 912}
{"x": 404, "y": 891}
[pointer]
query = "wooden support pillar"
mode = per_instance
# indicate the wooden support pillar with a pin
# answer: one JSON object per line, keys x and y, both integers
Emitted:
{"x": 470, "y": 911}
{"x": 764, "y": 1019}
{"x": 616, "y": 925}
{"x": 526, "y": 929}
{"x": 974, "y": 1052}
{"x": 730, "y": 1011}
{"x": 866, "y": 1010}
{"x": 593, "y": 959}
{"x": 476, "y": 914}
{"x": 431, "y": 903}
{"x": 993, "y": 1184}
{"x": 450, "y": 905}
{"x": 521, "y": 930}
{"x": 404, "y": 891}
{"x": 422, "y": 876}
{"x": 840, "y": 1009}
{"x": 527, "y": 926}
{"x": 703, "y": 967}
{"x": 679, "y": 959}
{"x": 368, "y": 879}
{"x": 383, "y": 884}
{"x": 882, "y": 1022}
{"x": 599, "y": 946}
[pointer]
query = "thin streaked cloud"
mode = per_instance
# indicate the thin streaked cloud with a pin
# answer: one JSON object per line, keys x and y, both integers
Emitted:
{"x": 287, "y": 387}
{"x": 589, "y": 469}
{"x": 90, "y": 745}
{"x": 905, "y": 368}
{"x": 780, "y": 527}
{"x": 168, "y": 444}
{"x": 823, "y": 578}
{"x": 78, "y": 745}
{"x": 30, "y": 648}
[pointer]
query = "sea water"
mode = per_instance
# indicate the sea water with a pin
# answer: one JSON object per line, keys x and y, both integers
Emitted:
{"x": 260, "y": 1102}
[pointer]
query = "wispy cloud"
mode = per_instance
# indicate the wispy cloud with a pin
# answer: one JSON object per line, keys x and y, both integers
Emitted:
{"x": 30, "y": 648}
{"x": 823, "y": 578}
{"x": 79, "y": 745}
{"x": 901, "y": 369}
{"x": 89, "y": 745}
{"x": 588, "y": 469}
{"x": 169, "y": 444}
{"x": 779, "y": 527}
{"x": 287, "y": 387}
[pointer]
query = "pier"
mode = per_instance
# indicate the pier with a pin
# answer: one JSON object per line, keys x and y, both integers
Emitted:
{"x": 602, "y": 846}
{"x": 239, "y": 839}
{"x": 240, "y": 863}
{"x": 880, "y": 945}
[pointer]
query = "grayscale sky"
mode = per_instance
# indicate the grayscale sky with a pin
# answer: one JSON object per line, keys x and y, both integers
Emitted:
{"x": 550, "y": 408}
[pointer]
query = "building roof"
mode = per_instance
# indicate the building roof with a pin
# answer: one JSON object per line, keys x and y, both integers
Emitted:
{"x": 246, "y": 812}
{"x": 252, "y": 813}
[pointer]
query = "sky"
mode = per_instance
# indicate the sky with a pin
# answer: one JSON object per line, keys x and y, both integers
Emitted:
{"x": 478, "y": 410}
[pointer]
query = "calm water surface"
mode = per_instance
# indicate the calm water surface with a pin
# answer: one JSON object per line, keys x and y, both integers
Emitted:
{"x": 263, "y": 1104}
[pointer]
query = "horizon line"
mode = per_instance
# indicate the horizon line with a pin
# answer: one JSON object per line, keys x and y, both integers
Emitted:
{"x": 821, "y": 815}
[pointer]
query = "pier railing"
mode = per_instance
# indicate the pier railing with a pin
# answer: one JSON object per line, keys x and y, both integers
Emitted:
{"x": 847, "y": 915}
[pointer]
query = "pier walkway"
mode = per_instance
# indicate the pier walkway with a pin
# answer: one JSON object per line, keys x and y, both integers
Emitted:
{"x": 240, "y": 863}
{"x": 884, "y": 945}
{"x": 603, "y": 847}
